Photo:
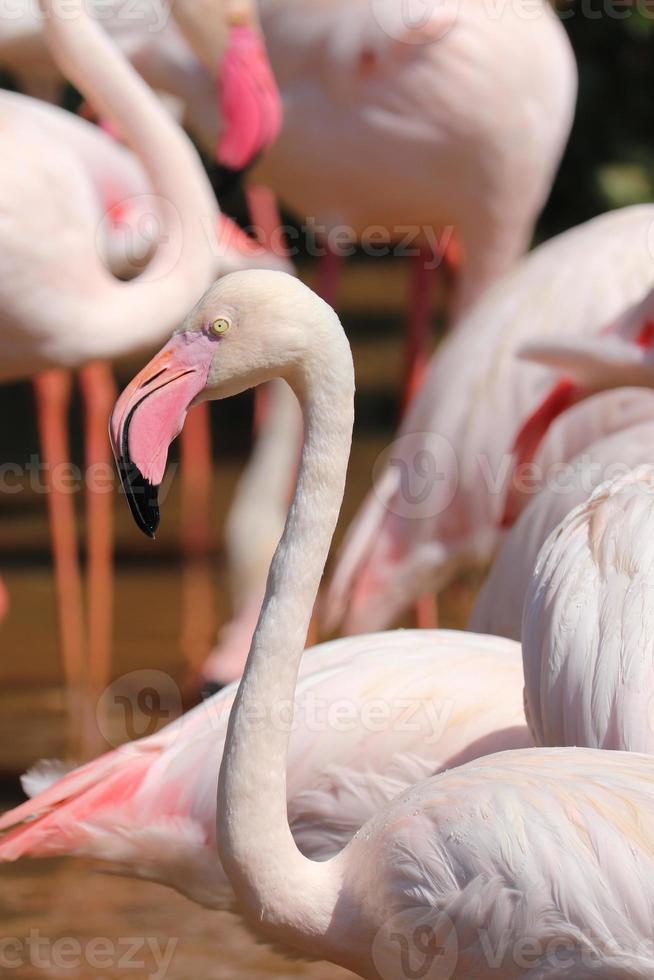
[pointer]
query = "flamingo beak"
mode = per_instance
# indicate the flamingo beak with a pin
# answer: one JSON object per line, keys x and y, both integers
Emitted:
{"x": 150, "y": 414}
{"x": 249, "y": 103}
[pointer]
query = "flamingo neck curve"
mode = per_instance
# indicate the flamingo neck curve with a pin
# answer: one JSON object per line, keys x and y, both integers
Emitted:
{"x": 280, "y": 889}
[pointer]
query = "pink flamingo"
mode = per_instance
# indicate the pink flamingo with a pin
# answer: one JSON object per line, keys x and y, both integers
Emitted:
{"x": 229, "y": 98}
{"x": 69, "y": 309}
{"x": 467, "y": 854}
{"x": 439, "y": 493}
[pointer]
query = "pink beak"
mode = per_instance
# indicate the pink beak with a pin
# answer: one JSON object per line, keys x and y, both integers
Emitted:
{"x": 249, "y": 102}
{"x": 150, "y": 414}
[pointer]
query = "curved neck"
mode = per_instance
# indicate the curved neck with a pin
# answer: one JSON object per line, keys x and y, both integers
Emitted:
{"x": 184, "y": 263}
{"x": 273, "y": 881}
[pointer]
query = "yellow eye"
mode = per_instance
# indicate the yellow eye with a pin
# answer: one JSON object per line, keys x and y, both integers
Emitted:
{"x": 221, "y": 325}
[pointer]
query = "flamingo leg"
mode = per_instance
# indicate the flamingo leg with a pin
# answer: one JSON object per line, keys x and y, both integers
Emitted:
{"x": 418, "y": 325}
{"x": 99, "y": 395}
{"x": 426, "y": 611}
{"x": 52, "y": 393}
{"x": 330, "y": 266}
{"x": 418, "y": 330}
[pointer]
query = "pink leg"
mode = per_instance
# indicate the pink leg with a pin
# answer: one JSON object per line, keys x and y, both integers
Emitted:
{"x": 426, "y": 611}
{"x": 418, "y": 326}
{"x": 330, "y": 266}
{"x": 417, "y": 356}
{"x": 99, "y": 395}
{"x": 264, "y": 215}
{"x": 4, "y": 600}
{"x": 196, "y": 534}
{"x": 52, "y": 391}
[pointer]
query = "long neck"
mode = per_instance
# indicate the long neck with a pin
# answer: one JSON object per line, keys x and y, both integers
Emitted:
{"x": 273, "y": 881}
{"x": 184, "y": 263}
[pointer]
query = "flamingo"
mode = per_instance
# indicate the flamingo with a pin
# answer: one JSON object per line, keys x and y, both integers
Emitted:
{"x": 61, "y": 306}
{"x": 586, "y": 635}
{"x": 533, "y": 845}
{"x": 346, "y": 82}
{"x": 439, "y": 494}
{"x": 230, "y": 102}
{"x": 396, "y": 88}
{"x": 149, "y": 808}
{"x": 577, "y": 463}
{"x": 253, "y": 528}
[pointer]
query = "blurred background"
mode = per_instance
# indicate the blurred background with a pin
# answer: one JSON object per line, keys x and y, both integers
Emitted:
{"x": 609, "y": 163}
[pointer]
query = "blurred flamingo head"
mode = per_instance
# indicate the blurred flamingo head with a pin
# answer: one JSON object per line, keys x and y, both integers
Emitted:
{"x": 248, "y": 328}
{"x": 249, "y": 103}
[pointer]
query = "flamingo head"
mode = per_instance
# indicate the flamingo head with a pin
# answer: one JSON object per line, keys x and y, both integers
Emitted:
{"x": 249, "y": 103}
{"x": 248, "y": 328}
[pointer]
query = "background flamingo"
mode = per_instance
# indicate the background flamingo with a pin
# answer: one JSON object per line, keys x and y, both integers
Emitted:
{"x": 55, "y": 275}
{"x": 451, "y": 843}
{"x": 363, "y": 78}
{"x": 228, "y": 100}
{"x": 586, "y": 638}
{"x": 440, "y": 493}
{"x": 628, "y": 415}
{"x": 351, "y": 80}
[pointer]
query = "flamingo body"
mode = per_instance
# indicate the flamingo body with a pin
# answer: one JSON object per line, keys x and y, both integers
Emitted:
{"x": 362, "y": 104}
{"x": 439, "y": 493}
{"x": 374, "y": 715}
{"x": 626, "y": 417}
{"x": 587, "y": 629}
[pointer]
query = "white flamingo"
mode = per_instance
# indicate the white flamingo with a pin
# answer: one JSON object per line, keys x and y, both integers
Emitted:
{"x": 374, "y": 715}
{"x": 587, "y": 631}
{"x": 440, "y": 493}
{"x": 529, "y": 846}
{"x": 387, "y": 122}
{"x": 61, "y": 305}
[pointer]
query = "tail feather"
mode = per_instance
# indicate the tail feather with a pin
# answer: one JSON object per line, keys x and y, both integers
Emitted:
{"x": 55, "y": 821}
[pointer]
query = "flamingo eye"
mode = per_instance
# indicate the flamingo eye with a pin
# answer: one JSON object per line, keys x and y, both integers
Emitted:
{"x": 220, "y": 326}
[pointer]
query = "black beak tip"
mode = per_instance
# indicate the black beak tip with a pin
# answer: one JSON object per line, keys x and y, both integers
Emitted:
{"x": 209, "y": 688}
{"x": 142, "y": 496}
